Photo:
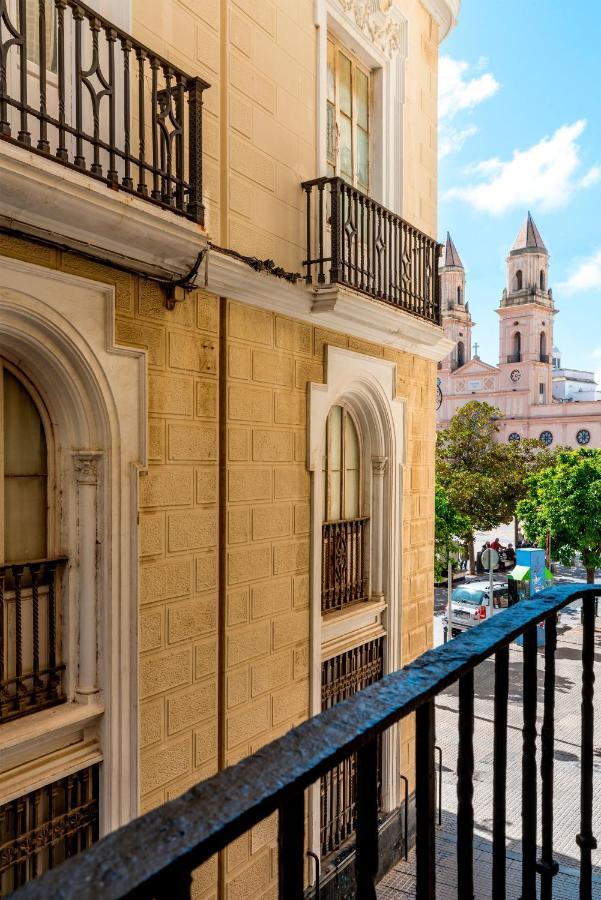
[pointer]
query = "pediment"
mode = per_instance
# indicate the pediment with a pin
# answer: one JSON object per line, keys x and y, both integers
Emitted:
{"x": 475, "y": 367}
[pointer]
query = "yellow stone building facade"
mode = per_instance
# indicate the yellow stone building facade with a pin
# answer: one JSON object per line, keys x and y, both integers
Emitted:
{"x": 185, "y": 501}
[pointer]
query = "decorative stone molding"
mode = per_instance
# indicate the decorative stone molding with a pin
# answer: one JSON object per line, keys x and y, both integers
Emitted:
{"x": 374, "y": 19}
{"x": 378, "y": 465}
{"x": 86, "y": 466}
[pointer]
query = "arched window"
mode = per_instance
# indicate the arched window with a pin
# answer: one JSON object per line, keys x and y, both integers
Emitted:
{"x": 459, "y": 296}
{"x": 542, "y": 279}
{"x": 460, "y": 353}
{"x": 342, "y": 467}
{"x": 517, "y": 347}
{"x": 543, "y": 346}
{"x": 25, "y": 472}
{"x": 518, "y": 280}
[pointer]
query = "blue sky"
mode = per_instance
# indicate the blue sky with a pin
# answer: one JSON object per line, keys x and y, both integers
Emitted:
{"x": 520, "y": 128}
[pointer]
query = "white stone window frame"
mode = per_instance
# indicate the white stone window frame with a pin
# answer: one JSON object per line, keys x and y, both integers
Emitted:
{"x": 58, "y": 329}
{"x": 379, "y": 40}
{"x": 366, "y": 385}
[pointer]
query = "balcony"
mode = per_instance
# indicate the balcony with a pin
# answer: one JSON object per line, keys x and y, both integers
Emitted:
{"x": 343, "y": 573}
{"x": 543, "y": 357}
{"x": 355, "y": 242}
{"x": 31, "y": 671}
{"x": 514, "y": 358}
{"x": 181, "y": 835}
{"x": 76, "y": 89}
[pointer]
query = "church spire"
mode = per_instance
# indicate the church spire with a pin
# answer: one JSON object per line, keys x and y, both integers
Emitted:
{"x": 529, "y": 237}
{"x": 450, "y": 257}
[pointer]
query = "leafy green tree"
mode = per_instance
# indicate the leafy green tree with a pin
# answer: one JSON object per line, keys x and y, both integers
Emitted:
{"x": 484, "y": 479}
{"x": 565, "y": 500}
{"x": 448, "y": 526}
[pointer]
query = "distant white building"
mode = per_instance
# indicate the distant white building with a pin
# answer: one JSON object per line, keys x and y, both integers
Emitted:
{"x": 572, "y": 385}
{"x": 538, "y": 397}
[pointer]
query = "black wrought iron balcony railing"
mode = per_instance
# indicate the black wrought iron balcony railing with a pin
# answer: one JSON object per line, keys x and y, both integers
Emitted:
{"x": 31, "y": 668}
{"x": 343, "y": 572}
{"x": 354, "y": 241}
{"x": 155, "y": 855}
{"x": 76, "y": 88}
{"x": 514, "y": 358}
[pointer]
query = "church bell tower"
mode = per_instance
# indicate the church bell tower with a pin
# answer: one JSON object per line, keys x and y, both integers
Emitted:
{"x": 526, "y": 317}
{"x": 456, "y": 318}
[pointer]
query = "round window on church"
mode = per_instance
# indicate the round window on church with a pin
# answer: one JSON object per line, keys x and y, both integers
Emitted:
{"x": 514, "y": 436}
{"x": 583, "y": 437}
{"x": 546, "y": 438}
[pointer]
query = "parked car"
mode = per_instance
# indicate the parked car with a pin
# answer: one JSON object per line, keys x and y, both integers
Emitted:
{"x": 471, "y": 604}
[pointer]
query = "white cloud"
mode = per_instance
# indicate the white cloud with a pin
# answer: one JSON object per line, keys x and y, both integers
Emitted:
{"x": 544, "y": 175}
{"x": 585, "y": 277}
{"x": 458, "y": 91}
{"x": 592, "y": 177}
{"x": 451, "y": 140}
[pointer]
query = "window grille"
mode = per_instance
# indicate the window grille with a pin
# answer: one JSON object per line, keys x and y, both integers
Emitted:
{"x": 341, "y": 677}
{"x": 46, "y": 826}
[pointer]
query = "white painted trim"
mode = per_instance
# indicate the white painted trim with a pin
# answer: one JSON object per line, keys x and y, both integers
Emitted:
{"x": 46, "y": 199}
{"x": 44, "y": 770}
{"x": 367, "y": 385}
{"x": 446, "y": 14}
{"x": 59, "y": 330}
{"x": 339, "y": 309}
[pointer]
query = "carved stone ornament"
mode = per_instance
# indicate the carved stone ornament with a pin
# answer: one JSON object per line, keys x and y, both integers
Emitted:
{"x": 374, "y": 19}
{"x": 378, "y": 464}
{"x": 86, "y": 467}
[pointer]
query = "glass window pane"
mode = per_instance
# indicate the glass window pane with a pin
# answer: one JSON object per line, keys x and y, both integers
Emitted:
{"x": 331, "y": 134}
{"x": 24, "y": 518}
{"x": 351, "y": 494}
{"x": 362, "y": 157}
{"x": 33, "y": 33}
{"x": 335, "y": 438}
{"x": 346, "y": 147}
{"x": 334, "y": 510}
{"x": 25, "y": 475}
{"x": 344, "y": 85}
{"x": 351, "y": 444}
{"x": 24, "y": 439}
{"x": 331, "y": 72}
{"x": 362, "y": 98}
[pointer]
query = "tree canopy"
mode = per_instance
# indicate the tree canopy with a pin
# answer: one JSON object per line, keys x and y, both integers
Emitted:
{"x": 565, "y": 500}
{"x": 448, "y": 525}
{"x": 483, "y": 478}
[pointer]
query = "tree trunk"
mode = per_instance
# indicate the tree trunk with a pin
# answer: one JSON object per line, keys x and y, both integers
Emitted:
{"x": 516, "y": 531}
{"x": 590, "y": 576}
{"x": 470, "y": 550}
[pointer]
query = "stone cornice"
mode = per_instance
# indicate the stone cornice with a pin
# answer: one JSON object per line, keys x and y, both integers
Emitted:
{"x": 445, "y": 12}
{"x": 339, "y": 309}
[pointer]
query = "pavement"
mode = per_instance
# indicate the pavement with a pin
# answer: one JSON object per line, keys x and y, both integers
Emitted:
{"x": 400, "y": 881}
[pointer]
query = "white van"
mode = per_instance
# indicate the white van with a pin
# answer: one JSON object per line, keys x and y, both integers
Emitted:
{"x": 471, "y": 604}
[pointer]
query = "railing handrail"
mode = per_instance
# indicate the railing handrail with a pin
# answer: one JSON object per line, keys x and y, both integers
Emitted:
{"x": 190, "y": 829}
{"x": 337, "y": 179}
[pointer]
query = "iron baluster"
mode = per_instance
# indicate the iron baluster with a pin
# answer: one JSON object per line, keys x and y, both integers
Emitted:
{"x": 438, "y": 750}
{"x": 17, "y": 575}
{"x": 291, "y": 856}
{"x": 405, "y": 781}
{"x": 366, "y": 861}
{"x": 43, "y": 144}
{"x": 24, "y": 136}
{"x": 196, "y": 208}
{"x": 126, "y": 46}
{"x": 142, "y": 187}
{"x": 529, "y": 792}
{"x": 79, "y": 160}
{"x": 336, "y": 218}
{"x": 499, "y": 876}
{"x": 61, "y": 151}
{"x": 112, "y": 175}
{"x": 356, "y": 237}
{"x": 585, "y": 838}
{"x": 179, "y": 142}
{"x": 425, "y": 793}
{"x": 52, "y": 674}
{"x": 465, "y": 788}
{"x": 547, "y": 867}
{"x": 34, "y": 570}
{"x": 309, "y": 261}
{"x": 320, "y": 223}
{"x": 154, "y": 105}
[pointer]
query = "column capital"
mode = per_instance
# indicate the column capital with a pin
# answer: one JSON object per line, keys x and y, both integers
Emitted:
{"x": 378, "y": 464}
{"x": 86, "y": 465}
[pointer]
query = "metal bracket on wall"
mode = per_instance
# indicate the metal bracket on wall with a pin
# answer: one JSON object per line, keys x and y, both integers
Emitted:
{"x": 177, "y": 290}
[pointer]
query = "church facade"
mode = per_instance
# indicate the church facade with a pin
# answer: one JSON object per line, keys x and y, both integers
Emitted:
{"x": 528, "y": 384}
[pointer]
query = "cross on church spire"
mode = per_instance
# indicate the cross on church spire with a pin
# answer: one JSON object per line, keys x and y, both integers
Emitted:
{"x": 476, "y": 345}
